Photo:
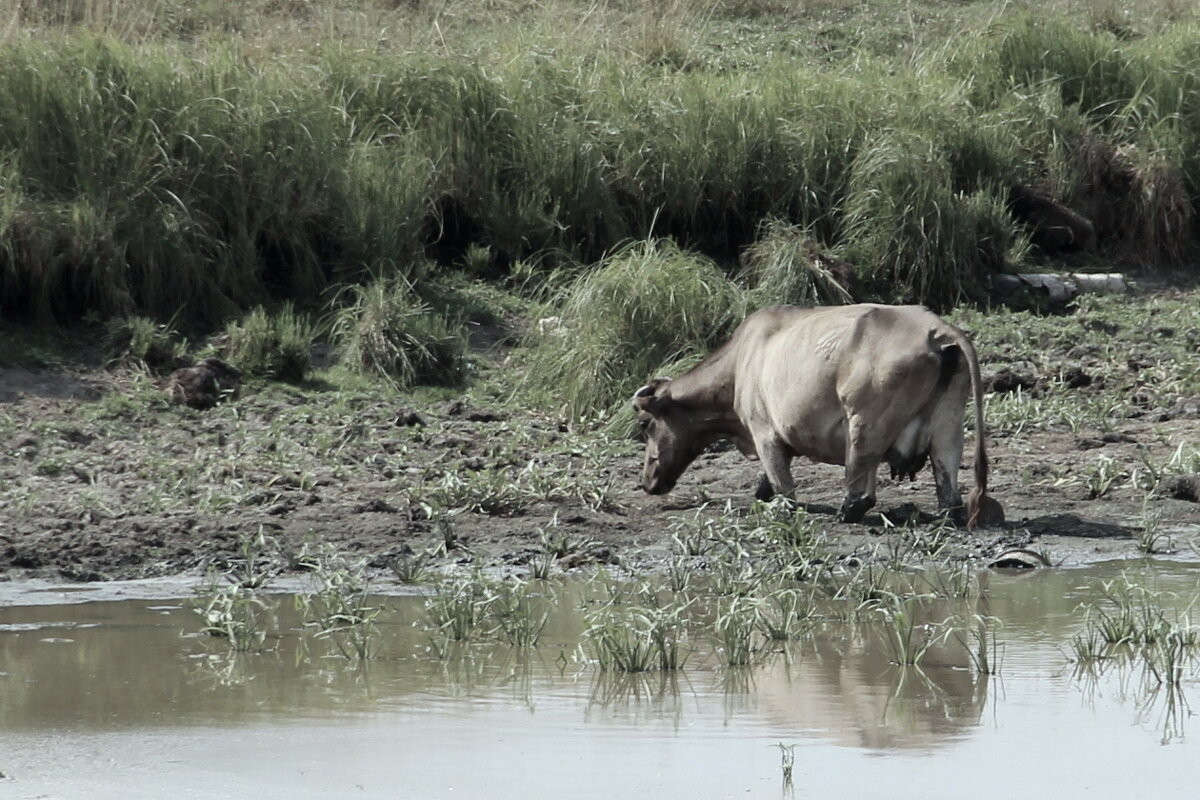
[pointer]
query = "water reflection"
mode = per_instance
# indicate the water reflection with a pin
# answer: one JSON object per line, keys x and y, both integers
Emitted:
{"x": 135, "y": 665}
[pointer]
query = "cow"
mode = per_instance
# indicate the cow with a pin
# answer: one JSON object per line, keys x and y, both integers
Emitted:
{"x": 852, "y": 385}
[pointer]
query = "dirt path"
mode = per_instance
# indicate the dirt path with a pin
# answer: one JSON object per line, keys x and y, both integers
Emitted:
{"x": 101, "y": 479}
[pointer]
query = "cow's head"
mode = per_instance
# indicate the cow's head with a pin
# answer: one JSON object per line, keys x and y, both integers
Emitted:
{"x": 675, "y": 435}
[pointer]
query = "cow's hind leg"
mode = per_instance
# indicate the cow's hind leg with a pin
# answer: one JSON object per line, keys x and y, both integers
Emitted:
{"x": 862, "y": 463}
{"x": 945, "y": 454}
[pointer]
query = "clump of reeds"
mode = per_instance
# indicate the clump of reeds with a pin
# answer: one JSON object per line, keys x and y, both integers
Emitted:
{"x": 786, "y": 265}
{"x": 141, "y": 341}
{"x": 915, "y": 237}
{"x": 638, "y": 639}
{"x": 385, "y": 329}
{"x": 341, "y": 607}
{"x": 277, "y": 346}
{"x": 645, "y": 307}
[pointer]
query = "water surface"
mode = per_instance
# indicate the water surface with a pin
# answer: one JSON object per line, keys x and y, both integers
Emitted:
{"x": 125, "y": 699}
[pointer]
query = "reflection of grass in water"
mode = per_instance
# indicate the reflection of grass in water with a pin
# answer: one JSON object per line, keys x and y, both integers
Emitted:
{"x": 787, "y": 758}
{"x": 1131, "y": 627}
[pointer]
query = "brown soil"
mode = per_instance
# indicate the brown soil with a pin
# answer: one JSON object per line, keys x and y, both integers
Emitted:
{"x": 77, "y": 519}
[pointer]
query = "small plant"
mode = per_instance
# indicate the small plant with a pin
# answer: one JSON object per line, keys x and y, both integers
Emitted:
{"x": 737, "y": 626}
{"x": 457, "y": 606}
{"x": 679, "y": 574}
{"x": 276, "y": 346}
{"x": 411, "y": 568}
{"x": 517, "y": 621}
{"x": 142, "y": 341}
{"x": 249, "y": 571}
{"x": 495, "y": 492}
{"x": 1102, "y": 476}
{"x": 559, "y": 543}
{"x": 541, "y": 566}
{"x": 785, "y": 614}
{"x": 638, "y": 640}
{"x": 735, "y": 578}
{"x": 234, "y": 613}
{"x": 983, "y": 648}
{"x": 692, "y": 536}
{"x": 341, "y": 607}
{"x": 1089, "y": 646}
{"x": 1151, "y": 539}
{"x": 450, "y": 541}
{"x": 910, "y": 639}
{"x": 861, "y": 581}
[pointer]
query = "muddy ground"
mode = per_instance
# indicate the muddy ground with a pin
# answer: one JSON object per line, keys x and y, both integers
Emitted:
{"x": 101, "y": 479}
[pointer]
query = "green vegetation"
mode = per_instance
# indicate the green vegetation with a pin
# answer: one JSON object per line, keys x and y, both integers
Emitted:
{"x": 384, "y": 329}
{"x": 276, "y": 346}
{"x": 162, "y": 160}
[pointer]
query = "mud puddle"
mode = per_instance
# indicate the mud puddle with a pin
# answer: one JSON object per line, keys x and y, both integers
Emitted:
{"x": 125, "y": 699}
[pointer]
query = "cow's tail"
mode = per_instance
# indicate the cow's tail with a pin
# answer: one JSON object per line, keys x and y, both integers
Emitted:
{"x": 978, "y": 496}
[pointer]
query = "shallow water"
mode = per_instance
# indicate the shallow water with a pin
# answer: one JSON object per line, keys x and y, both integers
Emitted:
{"x": 123, "y": 699}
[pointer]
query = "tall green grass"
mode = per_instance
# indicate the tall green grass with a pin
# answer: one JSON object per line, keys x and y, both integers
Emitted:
{"x": 162, "y": 178}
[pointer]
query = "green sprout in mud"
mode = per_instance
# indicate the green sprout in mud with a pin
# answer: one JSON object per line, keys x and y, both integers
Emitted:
{"x": 1102, "y": 476}
{"x": 411, "y": 568}
{"x": 1151, "y": 540}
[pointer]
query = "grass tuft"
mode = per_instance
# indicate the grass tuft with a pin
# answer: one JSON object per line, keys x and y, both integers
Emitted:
{"x": 646, "y": 307}
{"x": 384, "y": 329}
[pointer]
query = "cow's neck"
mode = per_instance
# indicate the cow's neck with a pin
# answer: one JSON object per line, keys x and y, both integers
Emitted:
{"x": 707, "y": 390}
{"x": 708, "y": 386}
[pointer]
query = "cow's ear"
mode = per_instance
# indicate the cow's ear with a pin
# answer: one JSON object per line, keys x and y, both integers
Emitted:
{"x": 652, "y": 398}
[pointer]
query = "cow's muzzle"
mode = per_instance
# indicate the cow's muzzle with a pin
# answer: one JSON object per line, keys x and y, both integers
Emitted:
{"x": 657, "y": 486}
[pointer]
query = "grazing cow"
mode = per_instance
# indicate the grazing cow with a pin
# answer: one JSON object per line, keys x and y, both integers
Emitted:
{"x": 852, "y": 385}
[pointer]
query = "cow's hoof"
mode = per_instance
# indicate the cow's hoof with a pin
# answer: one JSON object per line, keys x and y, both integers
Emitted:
{"x": 854, "y": 509}
{"x": 765, "y": 490}
{"x": 990, "y": 515}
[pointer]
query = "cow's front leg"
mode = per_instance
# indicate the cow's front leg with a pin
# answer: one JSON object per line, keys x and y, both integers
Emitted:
{"x": 764, "y": 491}
{"x": 776, "y": 458}
{"x": 862, "y": 466}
